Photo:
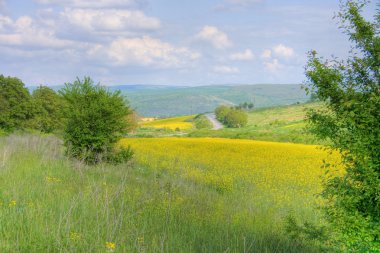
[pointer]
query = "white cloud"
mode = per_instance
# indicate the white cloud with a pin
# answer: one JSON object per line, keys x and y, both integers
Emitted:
{"x": 144, "y": 51}
{"x": 213, "y": 35}
{"x": 283, "y": 51}
{"x": 273, "y": 65}
{"x": 27, "y": 33}
{"x": 226, "y": 70}
{"x": 109, "y": 20}
{"x": 244, "y": 3}
{"x": 266, "y": 54}
{"x": 90, "y": 3}
{"x": 247, "y": 55}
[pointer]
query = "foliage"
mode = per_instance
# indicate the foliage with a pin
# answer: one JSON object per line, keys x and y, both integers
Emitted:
{"x": 124, "y": 154}
{"x": 15, "y": 105}
{"x": 236, "y": 119}
{"x": 96, "y": 120}
{"x": 245, "y": 106}
{"x": 231, "y": 117}
{"x": 318, "y": 235}
{"x": 201, "y": 122}
{"x": 351, "y": 120}
{"x": 221, "y": 112}
{"x": 48, "y": 110}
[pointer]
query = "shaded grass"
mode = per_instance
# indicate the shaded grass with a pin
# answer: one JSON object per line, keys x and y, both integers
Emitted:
{"x": 52, "y": 204}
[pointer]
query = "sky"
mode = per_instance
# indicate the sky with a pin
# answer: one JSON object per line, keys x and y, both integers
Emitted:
{"x": 167, "y": 42}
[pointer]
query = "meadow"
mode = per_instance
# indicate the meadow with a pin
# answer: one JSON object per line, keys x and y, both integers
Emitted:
{"x": 278, "y": 124}
{"x": 178, "y": 195}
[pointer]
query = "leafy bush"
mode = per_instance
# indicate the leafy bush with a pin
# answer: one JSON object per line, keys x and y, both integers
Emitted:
{"x": 48, "y": 110}
{"x": 15, "y": 104}
{"x": 221, "y": 112}
{"x": 236, "y": 118}
{"x": 231, "y": 117}
{"x": 96, "y": 120}
{"x": 121, "y": 156}
{"x": 351, "y": 91}
{"x": 202, "y": 122}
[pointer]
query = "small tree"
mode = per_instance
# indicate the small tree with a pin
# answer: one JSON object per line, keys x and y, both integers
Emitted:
{"x": 351, "y": 121}
{"x": 48, "y": 110}
{"x": 15, "y": 104}
{"x": 221, "y": 112}
{"x": 236, "y": 119}
{"x": 96, "y": 120}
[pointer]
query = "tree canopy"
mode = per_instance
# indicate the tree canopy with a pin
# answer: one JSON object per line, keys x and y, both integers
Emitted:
{"x": 351, "y": 121}
{"x": 96, "y": 120}
{"x": 14, "y": 103}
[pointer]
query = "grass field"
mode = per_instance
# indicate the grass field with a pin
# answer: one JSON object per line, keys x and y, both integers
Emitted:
{"x": 179, "y": 195}
{"x": 281, "y": 124}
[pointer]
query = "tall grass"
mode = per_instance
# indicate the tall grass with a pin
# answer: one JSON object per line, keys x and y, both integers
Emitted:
{"x": 52, "y": 204}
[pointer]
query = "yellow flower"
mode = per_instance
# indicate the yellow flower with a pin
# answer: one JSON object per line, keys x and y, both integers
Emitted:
{"x": 12, "y": 203}
{"x": 52, "y": 179}
{"x": 110, "y": 246}
{"x": 141, "y": 240}
{"x": 75, "y": 236}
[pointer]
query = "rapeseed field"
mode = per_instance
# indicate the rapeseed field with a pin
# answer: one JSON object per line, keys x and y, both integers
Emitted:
{"x": 276, "y": 177}
{"x": 182, "y": 123}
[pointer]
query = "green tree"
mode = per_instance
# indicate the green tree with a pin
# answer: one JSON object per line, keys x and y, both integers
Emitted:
{"x": 351, "y": 121}
{"x": 48, "y": 110}
{"x": 236, "y": 118}
{"x": 15, "y": 106}
{"x": 221, "y": 112}
{"x": 96, "y": 120}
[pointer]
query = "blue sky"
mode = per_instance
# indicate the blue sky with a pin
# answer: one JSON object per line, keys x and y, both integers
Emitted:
{"x": 168, "y": 42}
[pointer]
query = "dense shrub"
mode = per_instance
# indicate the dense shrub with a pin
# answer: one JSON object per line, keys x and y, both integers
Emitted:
{"x": 231, "y": 117}
{"x": 236, "y": 118}
{"x": 202, "y": 122}
{"x": 221, "y": 112}
{"x": 351, "y": 121}
{"x": 96, "y": 120}
{"x": 48, "y": 110}
{"x": 15, "y": 104}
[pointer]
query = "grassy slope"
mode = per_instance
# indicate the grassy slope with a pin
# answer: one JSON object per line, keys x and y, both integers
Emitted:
{"x": 283, "y": 124}
{"x": 52, "y": 204}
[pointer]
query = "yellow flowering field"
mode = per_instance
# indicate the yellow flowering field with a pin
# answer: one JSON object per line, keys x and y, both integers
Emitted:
{"x": 270, "y": 173}
{"x": 171, "y": 123}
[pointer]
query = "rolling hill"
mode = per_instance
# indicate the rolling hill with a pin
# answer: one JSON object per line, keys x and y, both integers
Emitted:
{"x": 169, "y": 101}
{"x": 166, "y": 101}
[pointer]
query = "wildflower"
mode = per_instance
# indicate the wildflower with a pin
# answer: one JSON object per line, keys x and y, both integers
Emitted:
{"x": 12, "y": 203}
{"x": 111, "y": 246}
{"x": 52, "y": 179}
{"x": 140, "y": 239}
{"x": 75, "y": 236}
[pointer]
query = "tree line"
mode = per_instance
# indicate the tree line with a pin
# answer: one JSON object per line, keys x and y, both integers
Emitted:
{"x": 89, "y": 117}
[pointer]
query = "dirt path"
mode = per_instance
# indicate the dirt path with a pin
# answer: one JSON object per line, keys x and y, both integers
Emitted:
{"x": 212, "y": 118}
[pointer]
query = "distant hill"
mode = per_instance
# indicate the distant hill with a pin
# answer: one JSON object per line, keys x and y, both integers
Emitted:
{"x": 165, "y": 101}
